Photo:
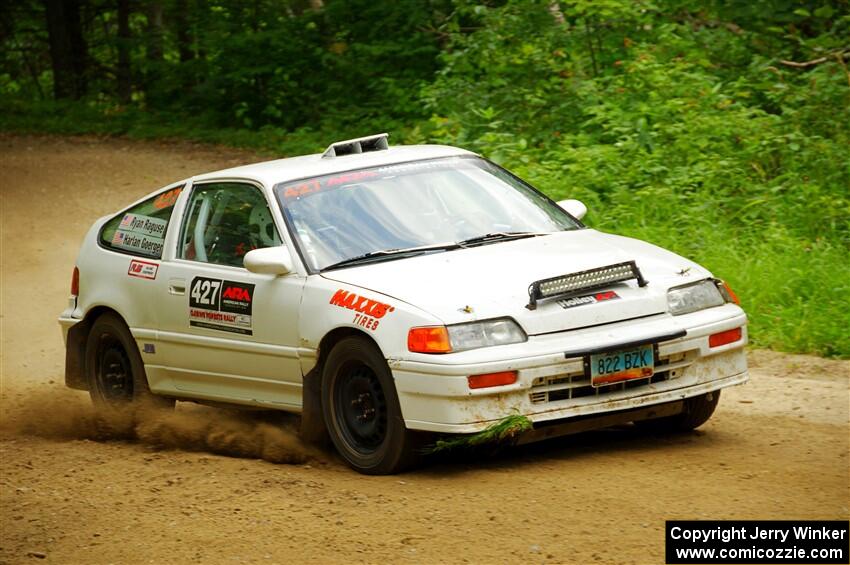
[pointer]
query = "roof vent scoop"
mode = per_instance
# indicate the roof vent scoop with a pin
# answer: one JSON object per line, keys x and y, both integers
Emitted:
{"x": 359, "y": 145}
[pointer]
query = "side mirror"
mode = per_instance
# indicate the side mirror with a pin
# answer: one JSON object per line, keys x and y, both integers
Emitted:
{"x": 574, "y": 208}
{"x": 269, "y": 260}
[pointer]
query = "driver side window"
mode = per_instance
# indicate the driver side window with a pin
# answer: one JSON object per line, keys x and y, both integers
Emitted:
{"x": 224, "y": 222}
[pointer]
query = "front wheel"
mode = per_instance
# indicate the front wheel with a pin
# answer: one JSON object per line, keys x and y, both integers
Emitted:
{"x": 114, "y": 368}
{"x": 362, "y": 412}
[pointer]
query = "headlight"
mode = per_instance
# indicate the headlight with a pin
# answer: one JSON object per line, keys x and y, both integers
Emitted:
{"x": 461, "y": 337}
{"x": 693, "y": 297}
{"x": 485, "y": 334}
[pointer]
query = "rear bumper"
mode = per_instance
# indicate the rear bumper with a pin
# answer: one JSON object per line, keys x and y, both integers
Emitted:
{"x": 65, "y": 324}
{"x": 553, "y": 386}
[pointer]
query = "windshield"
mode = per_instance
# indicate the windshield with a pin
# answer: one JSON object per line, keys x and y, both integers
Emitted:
{"x": 437, "y": 202}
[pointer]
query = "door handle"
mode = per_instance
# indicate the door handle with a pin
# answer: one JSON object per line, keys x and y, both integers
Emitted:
{"x": 177, "y": 286}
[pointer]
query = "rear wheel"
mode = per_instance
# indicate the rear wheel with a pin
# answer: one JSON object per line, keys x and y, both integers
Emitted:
{"x": 114, "y": 368}
{"x": 697, "y": 411}
{"x": 362, "y": 412}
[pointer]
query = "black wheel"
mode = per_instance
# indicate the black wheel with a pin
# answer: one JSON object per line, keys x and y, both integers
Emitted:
{"x": 114, "y": 368}
{"x": 698, "y": 410}
{"x": 361, "y": 410}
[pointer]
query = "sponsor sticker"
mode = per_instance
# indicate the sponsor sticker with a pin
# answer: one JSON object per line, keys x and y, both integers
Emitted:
{"x": 217, "y": 304}
{"x": 167, "y": 199}
{"x": 594, "y": 298}
{"x": 301, "y": 189}
{"x": 368, "y": 311}
{"x": 304, "y": 188}
{"x": 142, "y": 269}
{"x": 346, "y": 178}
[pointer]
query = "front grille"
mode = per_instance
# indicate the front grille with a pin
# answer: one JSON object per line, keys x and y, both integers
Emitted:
{"x": 577, "y": 385}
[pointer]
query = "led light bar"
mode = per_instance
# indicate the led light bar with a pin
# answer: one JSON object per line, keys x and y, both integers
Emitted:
{"x": 582, "y": 281}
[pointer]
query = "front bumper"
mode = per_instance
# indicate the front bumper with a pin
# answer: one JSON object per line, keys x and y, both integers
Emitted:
{"x": 552, "y": 385}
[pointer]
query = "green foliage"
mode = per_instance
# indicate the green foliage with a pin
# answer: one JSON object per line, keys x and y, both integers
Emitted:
{"x": 504, "y": 430}
{"x": 679, "y": 122}
{"x": 677, "y": 126}
{"x": 236, "y": 64}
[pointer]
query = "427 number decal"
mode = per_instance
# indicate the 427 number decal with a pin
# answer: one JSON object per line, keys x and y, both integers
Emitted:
{"x": 205, "y": 292}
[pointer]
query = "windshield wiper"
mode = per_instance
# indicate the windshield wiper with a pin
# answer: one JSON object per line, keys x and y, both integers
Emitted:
{"x": 374, "y": 256}
{"x": 498, "y": 236}
{"x": 399, "y": 253}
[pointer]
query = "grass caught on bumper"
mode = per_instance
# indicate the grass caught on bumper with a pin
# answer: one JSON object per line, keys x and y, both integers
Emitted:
{"x": 505, "y": 429}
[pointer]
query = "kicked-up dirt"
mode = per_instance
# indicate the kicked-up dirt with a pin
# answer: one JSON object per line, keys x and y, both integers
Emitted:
{"x": 214, "y": 486}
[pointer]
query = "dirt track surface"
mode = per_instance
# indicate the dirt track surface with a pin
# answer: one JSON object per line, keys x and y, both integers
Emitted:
{"x": 205, "y": 485}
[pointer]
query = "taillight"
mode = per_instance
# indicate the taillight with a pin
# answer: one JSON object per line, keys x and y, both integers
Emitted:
{"x": 75, "y": 282}
{"x": 430, "y": 339}
{"x": 492, "y": 379}
{"x": 722, "y": 338}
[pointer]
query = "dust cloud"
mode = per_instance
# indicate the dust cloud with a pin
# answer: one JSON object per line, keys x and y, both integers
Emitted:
{"x": 65, "y": 415}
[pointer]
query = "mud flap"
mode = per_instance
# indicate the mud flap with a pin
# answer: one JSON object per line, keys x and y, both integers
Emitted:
{"x": 312, "y": 420}
{"x": 75, "y": 351}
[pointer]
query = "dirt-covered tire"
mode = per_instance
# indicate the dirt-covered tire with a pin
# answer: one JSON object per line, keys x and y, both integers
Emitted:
{"x": 114, "y": 369}
{"x": 698, "y": 410}
{"x": 362, "y": 412}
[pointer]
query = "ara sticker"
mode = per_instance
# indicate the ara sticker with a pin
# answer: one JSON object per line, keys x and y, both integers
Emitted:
{"x": 368, "y": 311}
{"x": 589, "y": 299}
{"x": 222, "y": 305}
{"x": 142, "y": 269}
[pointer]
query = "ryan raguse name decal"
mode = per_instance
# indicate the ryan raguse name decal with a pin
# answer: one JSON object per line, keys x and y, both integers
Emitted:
{"x": 222, "y": 305}
{"x": 145, "y": 225}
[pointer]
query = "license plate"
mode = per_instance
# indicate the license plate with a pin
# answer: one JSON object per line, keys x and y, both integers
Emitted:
{"x": 617, "y": 366}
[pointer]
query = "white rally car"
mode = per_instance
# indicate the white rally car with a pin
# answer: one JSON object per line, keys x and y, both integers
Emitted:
{"x": 384, "y": 292}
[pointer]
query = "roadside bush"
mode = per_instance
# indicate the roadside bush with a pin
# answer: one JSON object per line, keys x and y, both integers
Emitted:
{"x": 746, "y": 172}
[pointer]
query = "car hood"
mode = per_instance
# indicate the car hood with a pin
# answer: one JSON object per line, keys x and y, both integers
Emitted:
{"x": 491, "y": 281}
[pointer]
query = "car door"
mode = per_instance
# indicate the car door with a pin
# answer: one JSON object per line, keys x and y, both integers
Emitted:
{"x": 225, "y": 333}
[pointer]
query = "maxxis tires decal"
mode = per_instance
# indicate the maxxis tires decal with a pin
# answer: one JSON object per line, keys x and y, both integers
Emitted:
{"x": 367, "y": 311}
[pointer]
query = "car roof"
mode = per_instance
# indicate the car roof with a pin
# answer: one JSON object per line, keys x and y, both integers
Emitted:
{"x": 270, "y": 173}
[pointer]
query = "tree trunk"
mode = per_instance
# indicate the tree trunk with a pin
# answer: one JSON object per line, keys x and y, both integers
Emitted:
{"x": 68, "y": 52}
{"x": 123, "y": 72}
{"x": 154, "y": 32}
{"x": 154, "y": 36}
{"x": 184, "y": 38}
